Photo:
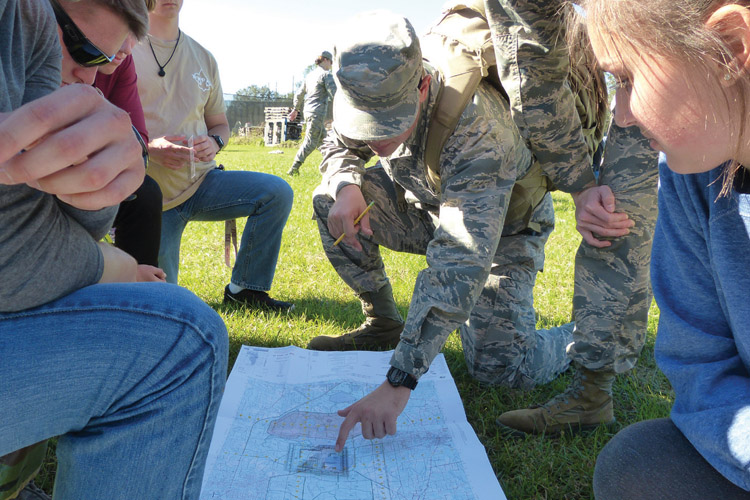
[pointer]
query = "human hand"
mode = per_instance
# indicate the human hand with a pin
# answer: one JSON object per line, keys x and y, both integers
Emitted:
{"x": 348, "y": 206}
{"x": 169, "y": 151}
{"x": 595, "y": 214}
{"x": 205, "y": 147}
{"x": 377, "y": 412}
{"x": 293, "y": 115}
{"x": 150, "y": 273}
{"x": 75, "y": 145}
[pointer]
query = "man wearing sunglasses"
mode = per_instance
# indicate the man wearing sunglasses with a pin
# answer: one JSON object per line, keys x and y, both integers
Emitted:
{"x": 72, "y": 353}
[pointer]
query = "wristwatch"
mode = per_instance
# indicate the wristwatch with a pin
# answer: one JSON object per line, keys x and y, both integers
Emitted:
{"x": 144, "y": 148}
{"x": 219, "y": 141}
{"x": 398, "y": 378}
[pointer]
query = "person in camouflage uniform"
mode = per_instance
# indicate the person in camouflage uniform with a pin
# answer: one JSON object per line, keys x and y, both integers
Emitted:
{"x": 612, "y": 291}
{"x": 476, "y": 279}
{"x": 498, "y": 344}
{"x": 481, "y": 266}
{"x": 317, "y": 90}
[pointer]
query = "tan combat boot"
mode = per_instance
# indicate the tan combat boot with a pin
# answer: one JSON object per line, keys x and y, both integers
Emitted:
{"x": 381, "y": 330}
{"x": 584, "y": 405}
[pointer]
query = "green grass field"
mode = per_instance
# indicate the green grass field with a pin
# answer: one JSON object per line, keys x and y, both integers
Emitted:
{"x": 530, "y": 468}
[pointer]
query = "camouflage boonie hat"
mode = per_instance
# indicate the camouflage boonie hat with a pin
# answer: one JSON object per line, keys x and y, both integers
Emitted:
{"x": 377, "y": 66}
{"x": 327, "y": 55}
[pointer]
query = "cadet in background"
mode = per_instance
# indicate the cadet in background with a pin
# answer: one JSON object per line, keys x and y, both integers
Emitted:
{"x": 317, "y": 91}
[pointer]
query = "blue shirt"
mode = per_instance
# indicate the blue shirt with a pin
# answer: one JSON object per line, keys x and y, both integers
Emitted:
{"x": 700, "y": 271}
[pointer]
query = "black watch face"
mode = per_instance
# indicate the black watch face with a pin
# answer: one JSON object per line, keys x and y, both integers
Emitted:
{"x": 396, "y": 377}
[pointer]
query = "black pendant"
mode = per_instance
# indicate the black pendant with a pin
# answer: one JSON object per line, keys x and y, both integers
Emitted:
{"x": 161, "y": 72}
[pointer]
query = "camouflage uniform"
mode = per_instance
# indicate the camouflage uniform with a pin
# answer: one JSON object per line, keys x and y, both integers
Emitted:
{"x": 612, "y": 287}
{"x": 17, "y": 469}
{"x": 317, "y": 90}
{"x": 475, "y": 280}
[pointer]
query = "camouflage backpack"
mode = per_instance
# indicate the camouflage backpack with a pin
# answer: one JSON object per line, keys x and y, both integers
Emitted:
{"x": 460, "y": 47}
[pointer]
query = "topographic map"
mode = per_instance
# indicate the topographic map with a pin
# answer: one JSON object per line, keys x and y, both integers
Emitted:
{"x": 274, "y": 438}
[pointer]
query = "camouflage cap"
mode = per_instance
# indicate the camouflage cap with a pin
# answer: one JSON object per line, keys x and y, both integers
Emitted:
{"x": 327, "y": 55}
{"x": 377, "y": 66}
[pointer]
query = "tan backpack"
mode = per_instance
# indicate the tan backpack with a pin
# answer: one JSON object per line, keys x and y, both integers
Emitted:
{"x": 460, "y": 47}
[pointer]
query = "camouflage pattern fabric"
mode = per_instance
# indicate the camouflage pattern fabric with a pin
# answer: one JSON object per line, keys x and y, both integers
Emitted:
{"x": 612, "y": 286}
{"x": 316, "y": 91}
{"x": 533, "y": 66}
{"x": 18, "y": 469}
{"x": 315, "y": 131}
{"x": 475, "y": 281}
{"x": 377, "y": 65}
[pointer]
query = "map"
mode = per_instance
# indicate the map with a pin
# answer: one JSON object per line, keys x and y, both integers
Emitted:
{"x": 277, "y": 424}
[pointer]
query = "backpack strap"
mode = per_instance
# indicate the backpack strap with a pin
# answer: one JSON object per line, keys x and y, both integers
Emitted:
{"x": 460, "y": 48}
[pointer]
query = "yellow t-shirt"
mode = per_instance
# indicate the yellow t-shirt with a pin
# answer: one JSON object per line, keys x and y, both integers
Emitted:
{"x": 177, "y": 104}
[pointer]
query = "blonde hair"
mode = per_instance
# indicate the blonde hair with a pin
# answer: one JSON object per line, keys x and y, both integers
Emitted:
{"x": 675, "y": 30}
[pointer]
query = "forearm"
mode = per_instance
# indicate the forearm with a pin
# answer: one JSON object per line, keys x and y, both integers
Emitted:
{"x": 119, "y": 267}
{"x": 222, "y": 130}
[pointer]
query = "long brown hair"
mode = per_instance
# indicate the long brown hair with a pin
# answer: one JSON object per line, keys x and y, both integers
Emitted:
{"x": 676, "y": 30}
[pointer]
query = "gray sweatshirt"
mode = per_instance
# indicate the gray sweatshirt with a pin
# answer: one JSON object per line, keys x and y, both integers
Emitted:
{"x": 47, "y": 248}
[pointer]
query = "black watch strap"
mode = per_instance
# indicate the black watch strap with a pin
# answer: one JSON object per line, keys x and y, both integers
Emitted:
{"x": 398, "y": 378}
{"x": 219, "y": 141}
{"x": 144, "y": 147}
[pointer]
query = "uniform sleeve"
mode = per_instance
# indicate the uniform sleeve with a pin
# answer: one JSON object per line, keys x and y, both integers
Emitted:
{"x": 299, "y": 96}
{"x": 699, "y": 330}
{"x": 343, "y": 162}
{"x": 528, "y": 40}
{"x": 479, "y": 167}
{"x": 330, "y": 85}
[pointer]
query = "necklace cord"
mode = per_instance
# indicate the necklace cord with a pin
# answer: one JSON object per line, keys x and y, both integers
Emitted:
{"x": 161, "y": 68}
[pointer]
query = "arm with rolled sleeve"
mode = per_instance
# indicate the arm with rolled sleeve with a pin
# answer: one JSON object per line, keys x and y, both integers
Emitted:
{"x": 701, "y": 275}
{"x": 479, "y": 166}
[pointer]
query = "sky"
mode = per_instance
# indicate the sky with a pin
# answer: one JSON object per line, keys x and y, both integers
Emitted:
{"x": 271, "y": 42}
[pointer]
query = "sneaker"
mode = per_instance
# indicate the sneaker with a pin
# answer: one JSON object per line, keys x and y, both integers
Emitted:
{"x": 583, "y": 406}
{"x": 373, "y": 334}
{"x": 256, "y": 299}
{"x": 32, "y": 492}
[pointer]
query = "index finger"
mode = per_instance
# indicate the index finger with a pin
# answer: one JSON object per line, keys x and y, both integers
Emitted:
{"x": 346, "y": 426}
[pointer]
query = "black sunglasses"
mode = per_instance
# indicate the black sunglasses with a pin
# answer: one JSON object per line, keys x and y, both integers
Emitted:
{"x": 79, "y": 47}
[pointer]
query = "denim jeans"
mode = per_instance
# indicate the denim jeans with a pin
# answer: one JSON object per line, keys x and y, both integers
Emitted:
{"x": 264, "y": 199}
{"x": 130, "y": 377}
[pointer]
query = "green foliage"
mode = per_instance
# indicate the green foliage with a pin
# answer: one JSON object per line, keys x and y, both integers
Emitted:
{"x": 530, "y": 468}
{"x": 262, "y": 93}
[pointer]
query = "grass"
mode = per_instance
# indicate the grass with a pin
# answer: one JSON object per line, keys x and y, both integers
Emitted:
{"x": 530, "y": 468}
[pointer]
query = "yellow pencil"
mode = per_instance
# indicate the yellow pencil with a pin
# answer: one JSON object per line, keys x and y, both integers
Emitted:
{"x": 356, "y": 221}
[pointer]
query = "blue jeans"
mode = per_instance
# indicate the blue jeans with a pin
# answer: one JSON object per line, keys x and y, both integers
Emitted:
{"x": 130, "y": 377}
{"x": 264, "y": 199}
